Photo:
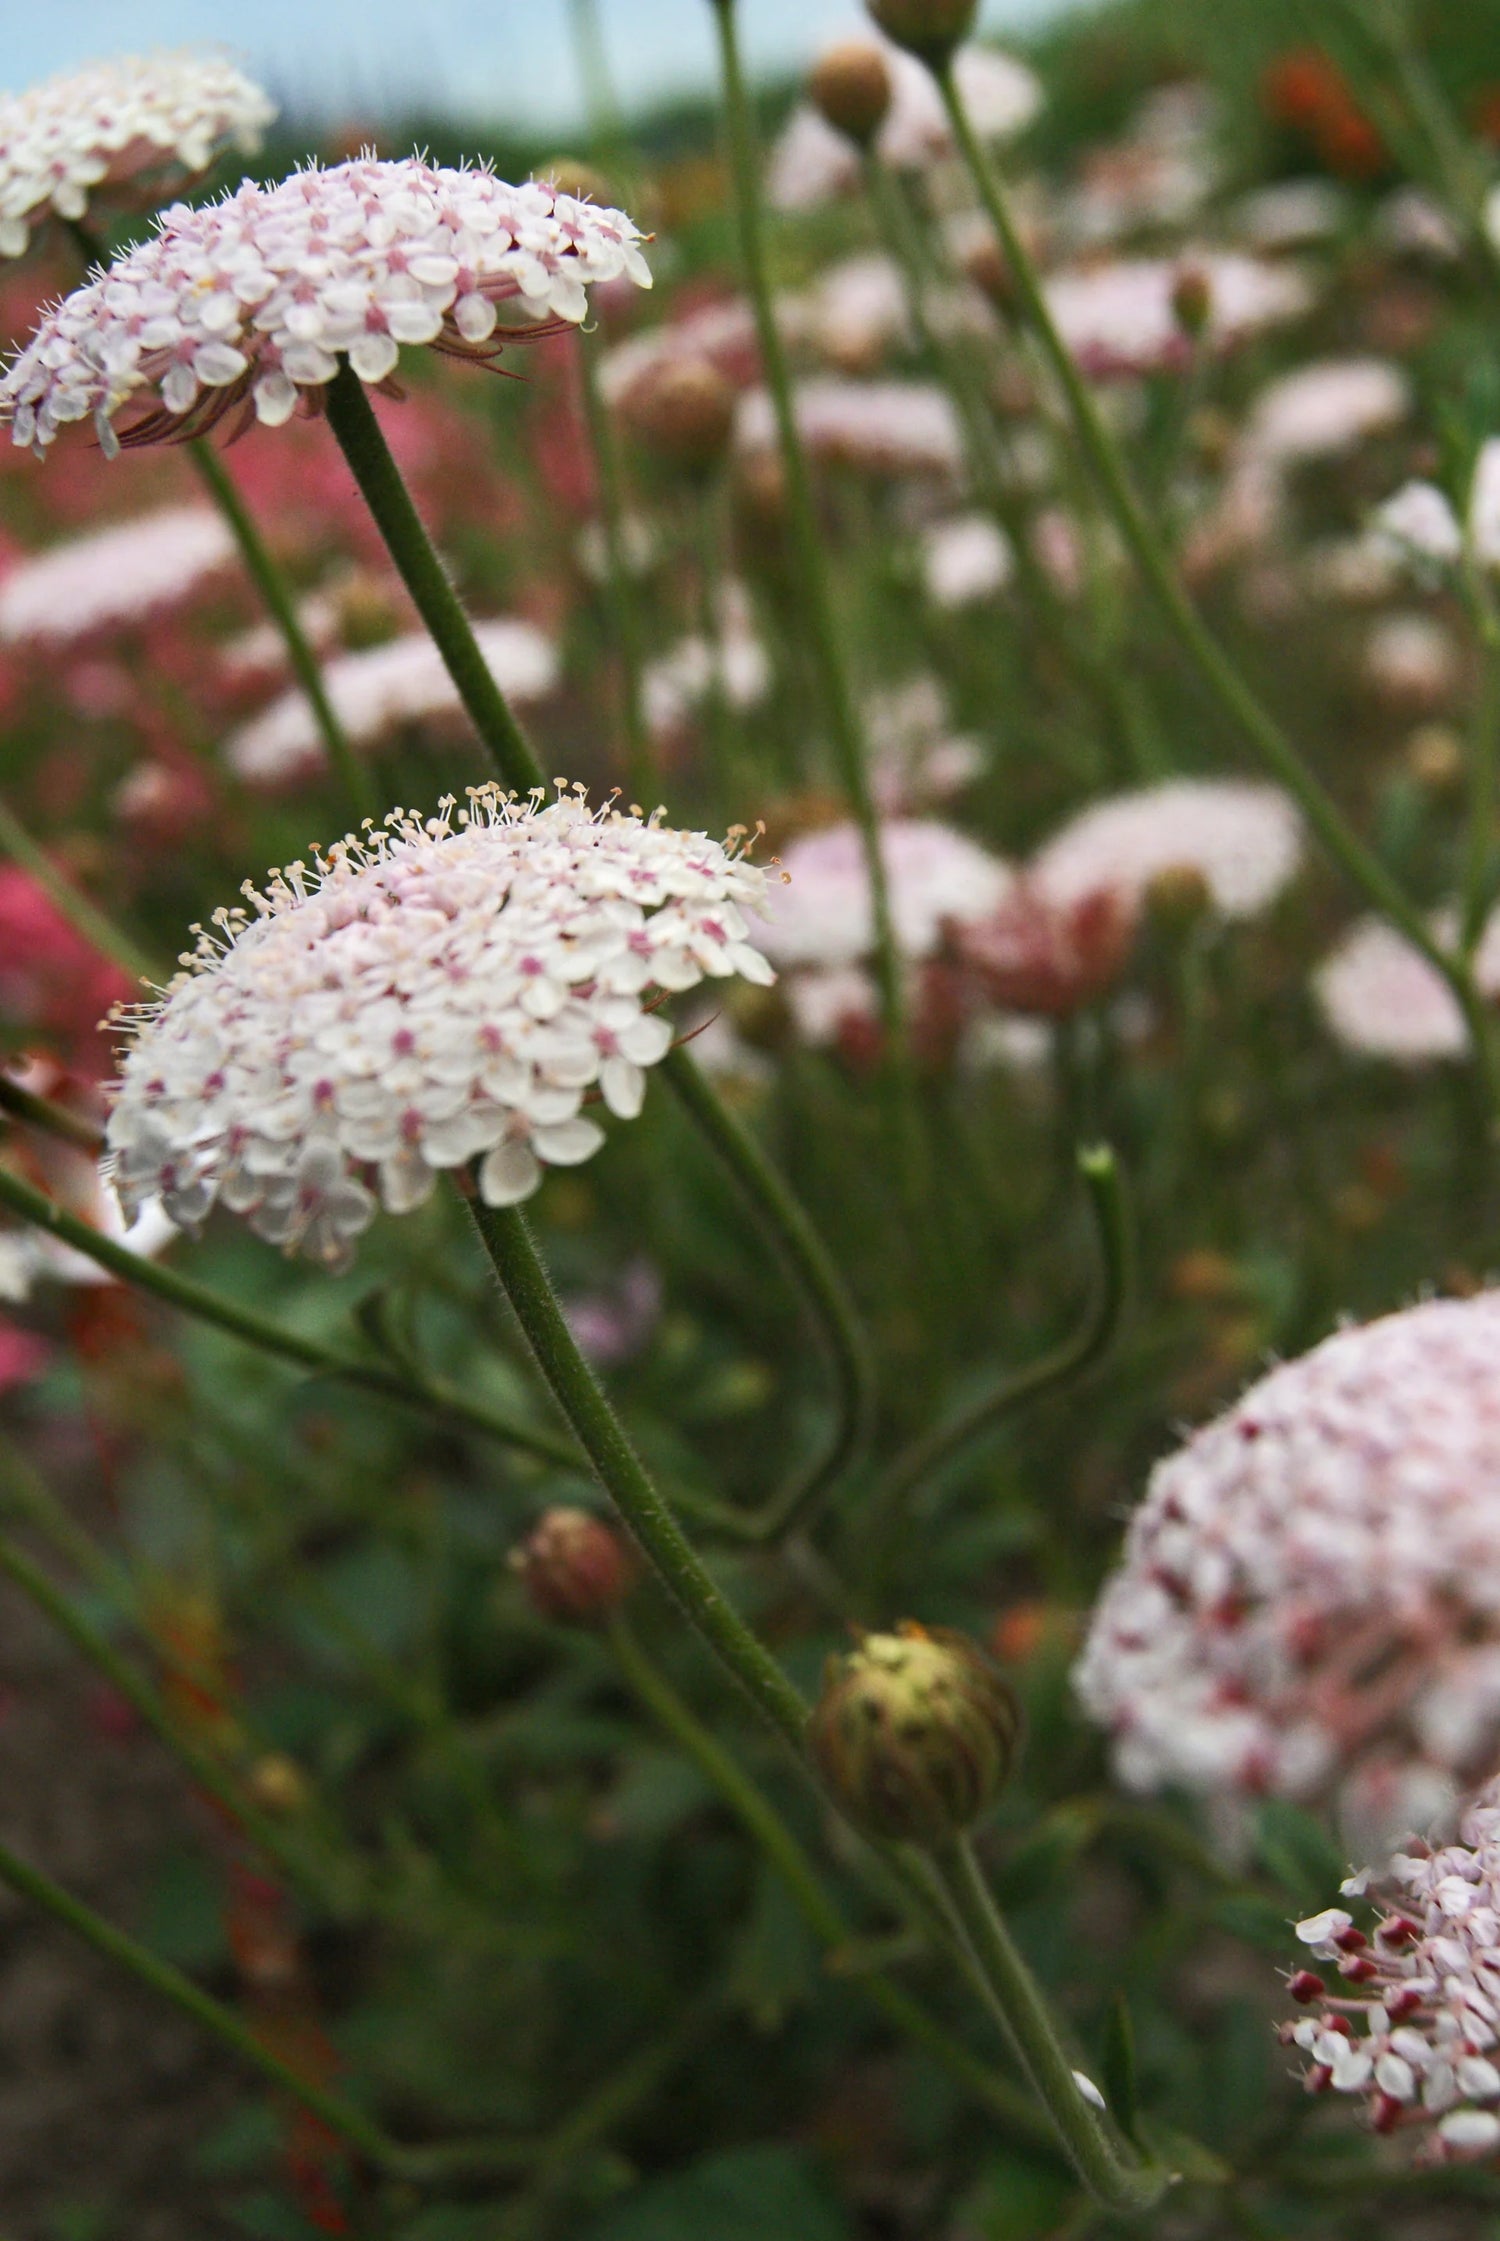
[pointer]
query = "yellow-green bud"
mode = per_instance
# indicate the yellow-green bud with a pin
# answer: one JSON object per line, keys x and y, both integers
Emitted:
{"x": 915, "y": 1734}
{"x": 851, "y": 86}
{"x": 929, "y": 28}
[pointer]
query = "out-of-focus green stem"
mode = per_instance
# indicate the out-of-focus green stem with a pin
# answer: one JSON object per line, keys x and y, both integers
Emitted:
{"x": 320, "y": 1883}
{"x": 432, "y": 1395}
{"x": 1121, "y": 2183}
{"x": 624, "y": 1477}
{"x": 1484, "y": 748}
{"x": 351, "y": 416}
{"x": 98, "y": 930}
{"x": 282, "y": 609}
{"x": 1358, "y": 862}
{"x": 821, "y": 621}
{"x": 822, "y": 1291}
{"x": 766, "y": 1827}
{"x": 1094, "y": 1336}
{"x": 45, "y": 1113}
{"x": 640, "y": 753}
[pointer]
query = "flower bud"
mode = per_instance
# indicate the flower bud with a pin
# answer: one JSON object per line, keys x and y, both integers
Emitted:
{"x": 850, "y": 86}
{"x": 1178, "y": 897}
{"x": 573, "y": 1566}
{"x": 915, "y": 1734}
{"x": 683, "y": 412}
{"x": 1192, "y": 301}
{"x": 928, "y": 28}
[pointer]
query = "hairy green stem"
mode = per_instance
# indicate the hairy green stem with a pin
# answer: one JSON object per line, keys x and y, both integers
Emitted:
{"x": 1077, "y": 1353}
{"x": 1360, "y": 865}
{"x": 781, "y": 1848}
{"x": 351, "y": 416}
{"x": 821, "y": 622}
{"x": 98, "y": 930}
{"x": 821, "y": 1288}
{"x": 434, "y": 1396}
{"x": 1122, "y": 2183}
{"x": 624, "y": 1477}
{"x": 282, "y": 609}
{"x": 640, "y": 753}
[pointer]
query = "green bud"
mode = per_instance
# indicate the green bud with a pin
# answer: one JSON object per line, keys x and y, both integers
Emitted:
{"x": 928, "y": 28}
{"x": 915, "y": 1734}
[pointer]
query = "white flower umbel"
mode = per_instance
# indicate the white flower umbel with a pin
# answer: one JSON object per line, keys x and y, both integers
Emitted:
{"x": 126, "y": 132}
{"x": 114, "y": 578}
{"x": 1120, "y": 318}
{"x": 248, "y": 304}
{"x": 440, "y": 992}
{"x": 823, "y": 916}
{"x": 878, "y": 427}
{"x": 1309, "y": 1601}
{"x": 374, "y": 691}
{"x": 1420, "y": 525}
{"x": 1382, "y": 998}
{"x": 1414, "y": 2026}
{"x": 1244, "y": 840}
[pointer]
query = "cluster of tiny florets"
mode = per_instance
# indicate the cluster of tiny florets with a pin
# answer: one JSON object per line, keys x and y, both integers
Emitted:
{"x": 113, "y": 578}
{"x": 436, "y": 993}
{"x": 252, "y": 301}
{"x": 146, "y": 121}
{"x": 1309, "y": 1601}
{"x": 1242, "y": 839}
{"x": 1414, "y": 2027}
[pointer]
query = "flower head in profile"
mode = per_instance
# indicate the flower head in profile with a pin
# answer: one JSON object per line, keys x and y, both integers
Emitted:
{"x": 377, "y": 688}
{"x": 1124, "y": 317}
{"x": 112, "y": 579}
{"x": 1243, "y": 839}
{"x": 444, "y": 991}
{"x": 1309, "y": 1601}
{"x": 247, "y": 305}
{"x": 824, "y": 917}
{"x": 1380, "y": 997}
{"x": 127, "y": 133}
{"x": 1413, "y": 2027}
{"x": 876, "y": 427}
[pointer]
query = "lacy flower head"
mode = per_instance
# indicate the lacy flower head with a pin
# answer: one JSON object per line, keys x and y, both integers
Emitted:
{"x": 1243, "y": 839}
{"x": 1381, "y": 998}
{"x": 113, "y": 579}
{"x": 1309, "y": 1602}
{"x": 247, "y": 305}
{"x": 126, "y": 132}
{"x": 442, "y": 992}
{"x": 1413, "y": 2028}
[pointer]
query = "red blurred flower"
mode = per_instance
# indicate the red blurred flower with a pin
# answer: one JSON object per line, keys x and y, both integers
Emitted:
{"x": 52, "y": 983}
{"x": 1305, "y": 89}
{"x": 1035, "y": 955}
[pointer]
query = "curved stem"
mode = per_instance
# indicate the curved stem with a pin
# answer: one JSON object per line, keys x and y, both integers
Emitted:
{"x": 765, "y": 1826}
{"x": 822, "y": 624}
{"x": 624, "y": 1477}
{"x": 207, "y": 1771}
{"x": 1121, "y": 2183}
{"x": 281, "y": 607}
{"x": 32, "y": 1111}
{"x": 351, "y": 416}
{"x": 1093, "y": 1338}
{"x": 96, "y": 928}
{"x": 640, "y": 753}
{"x": 432, "y": 1395}
{"x": 821, "y": 1288}
{"x": 1359, "y": 863}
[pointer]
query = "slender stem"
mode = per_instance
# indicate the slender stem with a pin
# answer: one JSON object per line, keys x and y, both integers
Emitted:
{"x": 765, "y": 1825}
{"x": 1077, "y": 1353}
{"x": 1358, "y": 862}
{"x": 580, "y": 1397}
{"x": 96, "y": 928}
{"x": 640, "y": 752}
{"x": 206, "y": 1770}
{"x": 822, "y": 1291}
{"x": 817, "y": 603}
{"x": 282, "y": 608}
{"x": 1017, "y": 1999}
{"x": 25, "y": 1106}
{"x": 431, "y": 1394}
{"x": 351, "y": 416}
{"x": 115, "y": 1945}
{"x": 1484, "y": 746}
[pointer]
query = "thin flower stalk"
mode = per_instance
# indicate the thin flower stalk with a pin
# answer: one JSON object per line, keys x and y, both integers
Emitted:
{"x": 818, "y": 609}
{"x": 508, "y": 1241}
{"x": 431, "y": 1395}
{"x": 351, "y": 416}
{"x": 640, "y": 754}
{"x": 1360, "y": 865}
{"x": 765, "y": 1826}
{"x": 29, "y": 1110}
{"x": 96, "y": 927}
{"x": 1484, "y": 748}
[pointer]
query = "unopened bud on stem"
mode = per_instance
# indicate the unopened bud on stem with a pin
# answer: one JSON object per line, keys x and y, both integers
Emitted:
{"x": 930, "y": 29}
{"x": 684, "y": 413}
{"x": 915, "y": 1734}
{"x": 574, "y": 1566}
{"x": 851, "y": 87}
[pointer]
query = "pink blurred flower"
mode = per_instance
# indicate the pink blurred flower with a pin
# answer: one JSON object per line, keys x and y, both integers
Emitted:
{"x": 1242, "y": 838}
{"x": 52, "y": 983}
{"x": 1381, "y": 998}
{"x": 114, "y": 578}
{"x": 882, "y": 427}
{"x": 23, "y": 1356}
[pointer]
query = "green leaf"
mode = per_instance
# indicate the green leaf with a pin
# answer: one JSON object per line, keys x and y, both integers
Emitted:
{"x": 1299, "y": 1852}
{"x": 774, "y": 1966}
{"x": 1181, "y": 2153}
{"x": 748, "y": 2194}
{"x": 1119, "y": 2069}
{"x": 1016, "y": 2200}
